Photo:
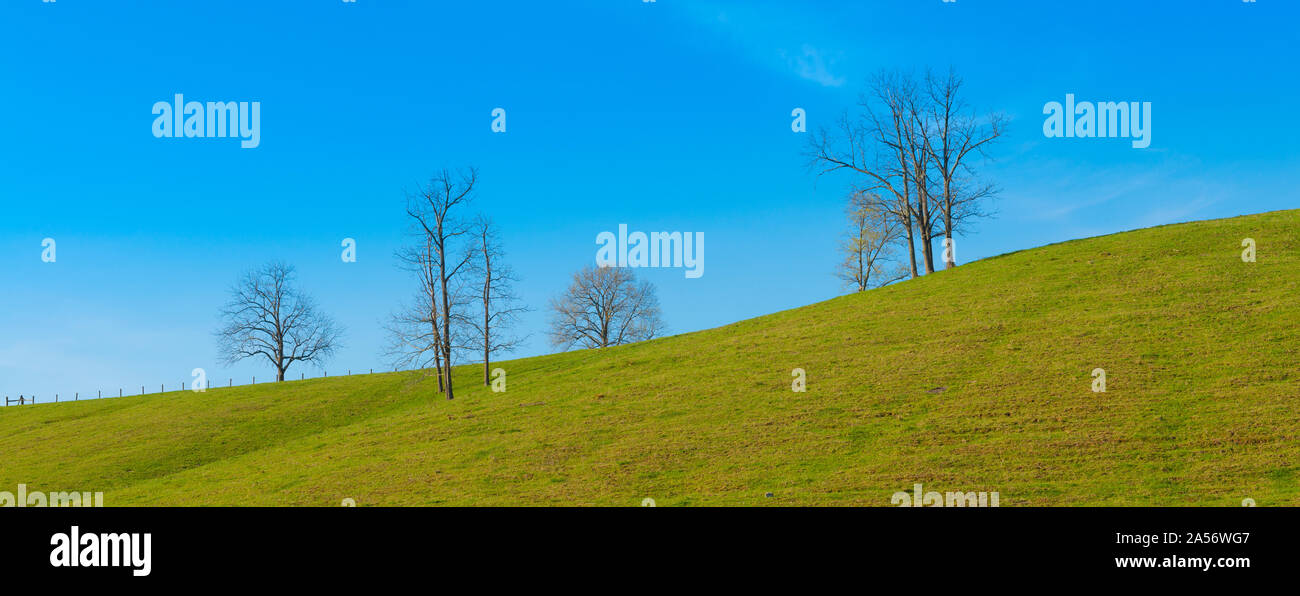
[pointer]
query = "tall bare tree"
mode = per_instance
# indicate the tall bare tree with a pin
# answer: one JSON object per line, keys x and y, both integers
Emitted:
{"x": 957, "y": 136}
{"x": 267, "y": 316}
{"x": 915, "y": 138}
{"x": 435, "y": 209}
{"x": 879, "y": 144}
{"x": 496, "y": 291}
{"x": 605, "y": 306}
{"x": 869, "y": 248}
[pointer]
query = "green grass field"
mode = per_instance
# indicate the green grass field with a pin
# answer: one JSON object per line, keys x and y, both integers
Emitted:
{"x": 1201, "y": 353}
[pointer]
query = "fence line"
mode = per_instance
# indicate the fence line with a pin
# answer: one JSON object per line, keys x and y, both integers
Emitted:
{"x": 162, "y": 388}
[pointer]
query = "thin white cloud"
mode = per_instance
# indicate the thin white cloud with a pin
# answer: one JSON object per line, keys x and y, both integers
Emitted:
{"x": 1176, "y": 213}
{"x": 766, "y": 34}
{"x": 812, "y": 64}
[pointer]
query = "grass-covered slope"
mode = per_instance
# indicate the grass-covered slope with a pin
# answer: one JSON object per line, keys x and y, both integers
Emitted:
{"x": 1201, "y": 353}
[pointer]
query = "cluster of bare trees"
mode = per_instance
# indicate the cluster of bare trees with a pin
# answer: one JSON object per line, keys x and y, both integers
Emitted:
{"x": 465, "y": 301}
{"x": 464, "y": 304}
{"x": 912, "y": 146}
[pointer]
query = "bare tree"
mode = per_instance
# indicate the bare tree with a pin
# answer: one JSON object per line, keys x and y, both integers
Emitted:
{"x": 500, "y": 304}
{"x": 416, "y": 341}
{"x": 957, "y": 135}
{"x": 435, "y": 210}
{"x": 268, "y": 316}
{"x": 605, "y": 306}
{"x": 880, "y": 144}
{"x": 915, "y": 138}
{"x": 869, "y": 247}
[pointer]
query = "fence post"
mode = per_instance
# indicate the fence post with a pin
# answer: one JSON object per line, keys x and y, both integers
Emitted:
{"x": 254, "y": 379}
{"x": 56, "y": 398}
{"x": 119, "y": 392}
{"x": 76, "y": 396}
{"x": 302, "y": 376}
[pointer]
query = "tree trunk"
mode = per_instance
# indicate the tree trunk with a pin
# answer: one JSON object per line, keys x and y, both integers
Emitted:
{"x": 911, "y": 246}
{"x": 927, "y": 234}
{"x": 437, "y": 353}
{"x": 487, "y": 317}
{"x": 433, "y": 310}
{"x": 948, "y": 262}
{"x": 863, "y": 275}
{"x": 446, "y": 332}
{"x": 950, "y": 252}
{"x": 487, "y": 349}
{"x": 927, "y": 249}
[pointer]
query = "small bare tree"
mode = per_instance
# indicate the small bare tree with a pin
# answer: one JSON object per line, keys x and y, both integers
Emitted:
{"x": 869, "y": 248}
{"x": 500, "y": 304}
{"x": 416, "y": 341}
{"x": 268, "y": 316}
{"x": 605, "y": 306}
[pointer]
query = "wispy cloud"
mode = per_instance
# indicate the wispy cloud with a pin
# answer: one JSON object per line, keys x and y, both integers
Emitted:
{"x": 1097, "y": 189}
{"x": 1118, "y": 197}
{"x": 1183, "y": 211}
{"x": 766, "y": 33}
{"x": 812, "y": 64}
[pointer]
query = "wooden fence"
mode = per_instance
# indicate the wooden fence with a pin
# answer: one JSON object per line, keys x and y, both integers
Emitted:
{"x": 162, "y": 388}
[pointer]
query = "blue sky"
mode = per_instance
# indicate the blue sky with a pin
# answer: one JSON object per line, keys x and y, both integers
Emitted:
{"x": 670, "y": 115}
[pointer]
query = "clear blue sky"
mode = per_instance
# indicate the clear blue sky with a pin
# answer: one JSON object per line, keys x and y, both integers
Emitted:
{"x": 671, "y": 115}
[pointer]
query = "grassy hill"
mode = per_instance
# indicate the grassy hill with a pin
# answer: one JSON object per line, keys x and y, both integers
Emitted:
{"x": 1201, "y": 353}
